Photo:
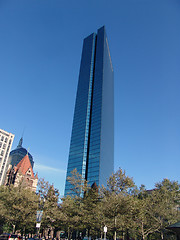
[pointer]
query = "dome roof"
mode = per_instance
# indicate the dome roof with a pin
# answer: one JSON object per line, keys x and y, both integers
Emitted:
{"x": 17, "y": 154}
{"x": 20, "y": 150}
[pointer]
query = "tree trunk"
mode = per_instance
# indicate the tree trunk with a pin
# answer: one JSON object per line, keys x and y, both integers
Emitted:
{"x": 115, "y": 235}
{"x": 142, "y": 231}
{"x": 127, "y": 234}
{"x": 162, "y": 235}
{"x": 88, "y": 233}
{"x": 115, "y": 228}
{"x": 14, "y": 227}
{"x": 68, "y": 234}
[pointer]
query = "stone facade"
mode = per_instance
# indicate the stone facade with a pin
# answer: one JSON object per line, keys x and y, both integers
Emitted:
{"x": 22, "y": 174}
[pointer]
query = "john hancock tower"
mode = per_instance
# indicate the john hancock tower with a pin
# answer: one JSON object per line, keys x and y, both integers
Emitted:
{"x": 92, "y": 140}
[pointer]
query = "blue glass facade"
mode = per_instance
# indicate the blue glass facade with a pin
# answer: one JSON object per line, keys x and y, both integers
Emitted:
{"x": 92, "y": 139}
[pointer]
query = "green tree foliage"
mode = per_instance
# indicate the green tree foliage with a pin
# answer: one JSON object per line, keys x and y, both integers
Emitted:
{"x": 83, "y": 210}
{"x": 125, "y": 210}
{"x": 49, "y": 204}
{"x": 19, "y": 207}
{"x": 117, "y": 201}
{"x": 72, "y": 206}
{"x": 92, "y": 211}
{"x": 120, "y": 183}
{"x": 78, "y": 185}
{"x": 143, "y": 222}
{"x": 156, "y": 209}
{"x": 72, "y": 215}
{"x": 165, "y": 200}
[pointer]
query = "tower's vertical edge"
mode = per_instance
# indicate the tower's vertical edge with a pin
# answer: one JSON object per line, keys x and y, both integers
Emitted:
{"x": 81, "y": 122}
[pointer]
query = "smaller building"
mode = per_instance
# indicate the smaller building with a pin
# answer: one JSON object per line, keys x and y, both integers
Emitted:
{"x": 23, "y": 174}
{"x": 17, "y": 154}
{"x": 6, "y": 140}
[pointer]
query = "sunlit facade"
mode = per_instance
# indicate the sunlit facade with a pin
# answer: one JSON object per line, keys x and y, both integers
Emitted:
{"x": 92, "y": 140}
{"x": 6, "y": 140}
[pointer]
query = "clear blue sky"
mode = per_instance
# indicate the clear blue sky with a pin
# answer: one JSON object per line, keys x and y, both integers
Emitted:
{"x": 40, "y": 51}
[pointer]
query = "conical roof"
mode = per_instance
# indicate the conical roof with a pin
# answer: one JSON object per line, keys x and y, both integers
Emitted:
{"x": 20, "y": 143}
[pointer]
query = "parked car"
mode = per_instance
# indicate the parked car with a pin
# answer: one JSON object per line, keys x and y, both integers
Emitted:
{"x": 8, "y": 236}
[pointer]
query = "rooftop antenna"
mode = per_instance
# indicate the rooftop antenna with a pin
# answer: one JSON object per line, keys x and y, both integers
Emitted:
{"x": 23, "y": 132}
{"x": 21, "y": 140}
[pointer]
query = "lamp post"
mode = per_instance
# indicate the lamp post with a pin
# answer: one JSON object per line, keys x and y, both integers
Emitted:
{"x": 39, "y": 215}
{"x": 105, "y": 231}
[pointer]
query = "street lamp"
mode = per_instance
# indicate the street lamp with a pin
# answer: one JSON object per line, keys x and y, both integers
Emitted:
{"x": 105, "y": 231}
{"x": 39, "y": 214}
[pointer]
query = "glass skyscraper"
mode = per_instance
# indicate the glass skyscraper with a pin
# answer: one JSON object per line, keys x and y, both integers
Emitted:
{"x": 92, "y": 140}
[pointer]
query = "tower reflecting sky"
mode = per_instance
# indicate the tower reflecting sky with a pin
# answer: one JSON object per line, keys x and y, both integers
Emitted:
{"x": 92, "y": 140}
